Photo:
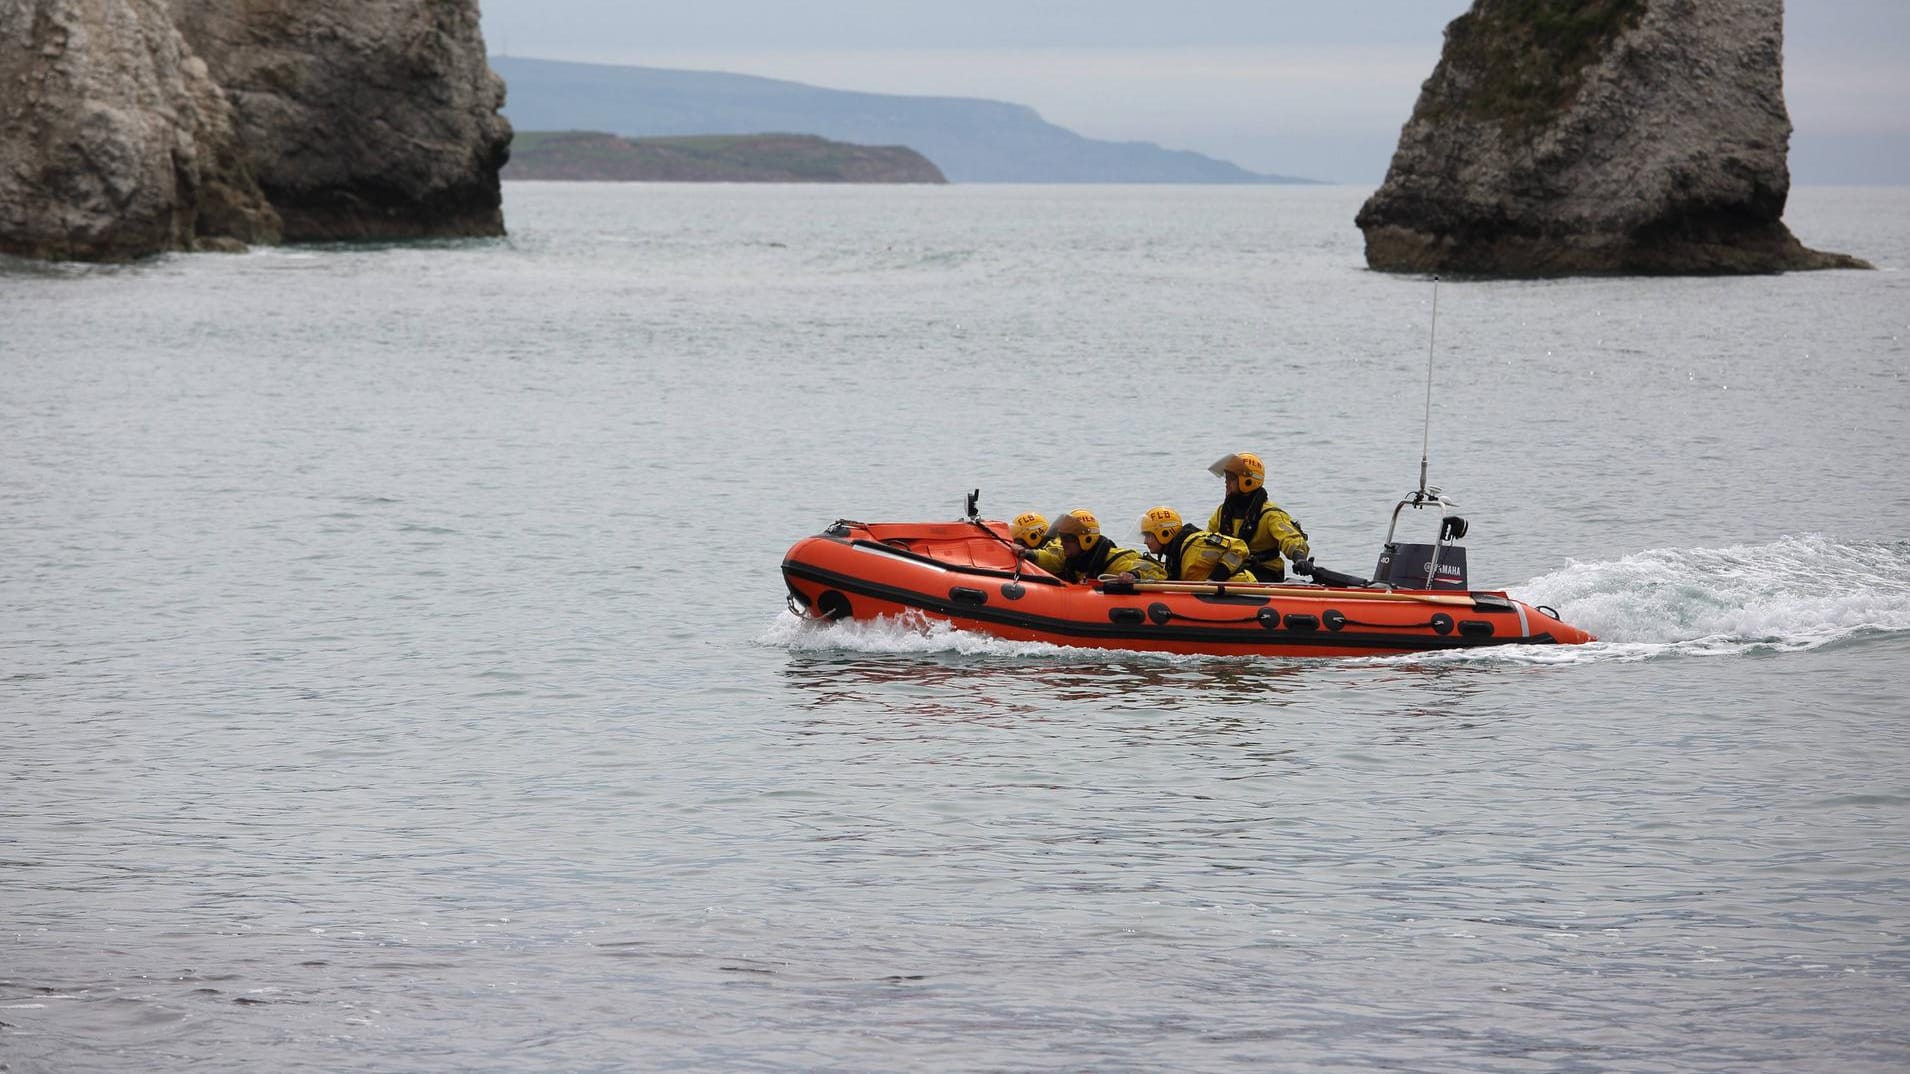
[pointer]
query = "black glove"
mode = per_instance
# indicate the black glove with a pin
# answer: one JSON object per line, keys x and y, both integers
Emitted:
{"x": 1303, "y": 565}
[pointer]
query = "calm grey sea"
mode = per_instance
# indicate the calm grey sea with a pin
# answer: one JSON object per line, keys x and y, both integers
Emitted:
{"x": 394, "y": 672}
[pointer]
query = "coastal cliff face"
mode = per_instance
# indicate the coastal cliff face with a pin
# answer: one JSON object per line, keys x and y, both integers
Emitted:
{"x": 1561, "y": 137}
{"x": 134, "y": 127}
{"x": 114, "y": 141}
{"x": 372, "y": 119}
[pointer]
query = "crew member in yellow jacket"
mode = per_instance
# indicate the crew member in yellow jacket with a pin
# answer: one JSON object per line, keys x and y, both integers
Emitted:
{"x": 1034, "y": 543}
{"x": 1246, "y": 513}
{"x": 1086, "y": 554}
{"x": 1190, "y": 554}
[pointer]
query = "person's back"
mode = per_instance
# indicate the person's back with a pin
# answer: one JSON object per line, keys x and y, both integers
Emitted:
{"x": 1248, "y": 515}
{"x": 1087, "y": 555}
{"x": 1190, "y": 554}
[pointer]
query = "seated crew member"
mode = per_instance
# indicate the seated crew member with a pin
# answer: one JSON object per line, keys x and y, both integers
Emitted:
{"x": 1191, "y": 554}
{"x": 1034, "y": 543}
{"x": 1086, "y": 555}
{"x": 1246, "y": 513}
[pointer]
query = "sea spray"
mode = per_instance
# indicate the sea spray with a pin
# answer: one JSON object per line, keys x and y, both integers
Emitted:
{"x": 1789, "y": 594}
{"x": 916, "y": 633}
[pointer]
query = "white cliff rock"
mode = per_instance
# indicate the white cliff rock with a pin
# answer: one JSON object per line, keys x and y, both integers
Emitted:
{"x": 368, "y": 119}
{"x": 134, "y": 127}
{"x": 114, "y": 142}
{"x": 1558, "y": 137}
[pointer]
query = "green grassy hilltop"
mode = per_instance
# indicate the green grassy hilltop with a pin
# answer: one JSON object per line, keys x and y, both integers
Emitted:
{"x": 713, "y": 158}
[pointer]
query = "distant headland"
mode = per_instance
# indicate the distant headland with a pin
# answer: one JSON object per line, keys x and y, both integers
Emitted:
{"x": 722, "y": 158}
{"x": 969, "y": 140}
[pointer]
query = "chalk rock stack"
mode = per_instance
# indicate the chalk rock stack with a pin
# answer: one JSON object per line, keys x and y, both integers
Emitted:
{"x": 114, "y": 140}
{"x": 134, "y": 127}
{"x": 365, "y": 119}
{"x": 1561, "y": 137}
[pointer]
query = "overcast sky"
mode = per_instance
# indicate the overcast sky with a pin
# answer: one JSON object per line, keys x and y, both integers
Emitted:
{"x": 1309, "y": 89}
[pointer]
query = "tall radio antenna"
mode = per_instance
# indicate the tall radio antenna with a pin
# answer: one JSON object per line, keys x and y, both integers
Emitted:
{"x": 1426, "y": 436}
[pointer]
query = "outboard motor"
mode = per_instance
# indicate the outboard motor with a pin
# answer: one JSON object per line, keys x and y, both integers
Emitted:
{"x": 1441, "y": 565}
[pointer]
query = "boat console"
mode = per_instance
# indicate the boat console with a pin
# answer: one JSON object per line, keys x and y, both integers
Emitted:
{"x": 1439, "y": 565}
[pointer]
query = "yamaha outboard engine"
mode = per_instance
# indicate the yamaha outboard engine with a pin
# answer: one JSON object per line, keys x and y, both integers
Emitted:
{"x": 1441, "y": 565}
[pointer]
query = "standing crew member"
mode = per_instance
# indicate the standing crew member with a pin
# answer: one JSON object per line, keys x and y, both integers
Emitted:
{"x": 1246, "y": 513}
{"x": 1034, "y": 543}
{"x": 1086, "y": 555}
{"x": 1191, "y": 554}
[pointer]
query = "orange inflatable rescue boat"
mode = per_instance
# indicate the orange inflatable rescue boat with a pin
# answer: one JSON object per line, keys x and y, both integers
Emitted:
{"x": 967, "y": 573}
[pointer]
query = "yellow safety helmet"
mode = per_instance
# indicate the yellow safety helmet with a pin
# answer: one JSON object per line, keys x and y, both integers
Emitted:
{"x": 1162, "y": 523}
{"x": 1030, "y": 529}
{"x": 1082, "y": 526}
{"x": 1248, "y": 467}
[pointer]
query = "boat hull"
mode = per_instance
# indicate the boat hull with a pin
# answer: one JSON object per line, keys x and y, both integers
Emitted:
{"x": 964, "y": 573}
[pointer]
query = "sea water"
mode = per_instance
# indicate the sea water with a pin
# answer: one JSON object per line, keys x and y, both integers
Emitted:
{"x": 395, "y": 673}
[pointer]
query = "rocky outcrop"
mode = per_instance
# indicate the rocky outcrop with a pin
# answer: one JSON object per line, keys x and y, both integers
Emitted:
{"x": 114, "y": 142}
{"x": 371, "y": 119}
{"x": 134, "y": 127}
{"x": 1562, "y": 137}
{"x": 712, "y": 158}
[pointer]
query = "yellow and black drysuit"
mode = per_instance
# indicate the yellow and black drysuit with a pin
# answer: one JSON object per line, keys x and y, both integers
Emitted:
{"x": 1194, "y": 555}
{"x": 1104, "y": 558}
{"x": 1268, "y": 531}
{"x": 1048, "y": 556}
